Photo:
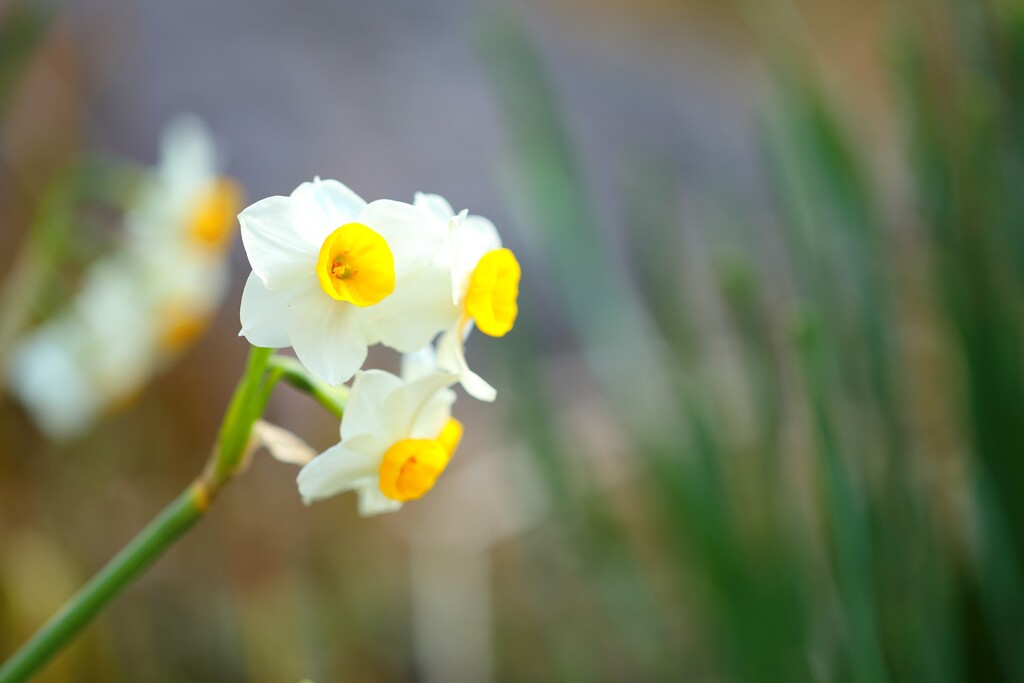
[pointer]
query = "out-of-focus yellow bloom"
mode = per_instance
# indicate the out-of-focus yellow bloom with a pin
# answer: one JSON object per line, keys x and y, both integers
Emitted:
{"x": 213, "y": 221}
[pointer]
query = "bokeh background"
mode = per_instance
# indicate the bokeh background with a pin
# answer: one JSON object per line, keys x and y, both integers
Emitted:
{"x": 761, "y": 418}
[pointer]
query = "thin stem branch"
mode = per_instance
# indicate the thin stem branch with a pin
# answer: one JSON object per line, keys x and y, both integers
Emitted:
{"x": 247, "y": 404}
{"x": 167, "y": 527}
{"x": 330, "y": 397}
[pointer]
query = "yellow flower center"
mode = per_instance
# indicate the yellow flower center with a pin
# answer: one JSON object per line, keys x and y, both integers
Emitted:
{"x": 491, "y": 299}
{"x": 356, "y": 265}
{"x": 214, "y": 213}
{"x": 411, "y": 466}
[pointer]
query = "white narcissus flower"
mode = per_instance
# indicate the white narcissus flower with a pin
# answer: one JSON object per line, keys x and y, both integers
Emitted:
{"x": 323, "y": 261}
{"x": 396, "y": 439}
{"x": 483, "y": 281}
{"x": 185, "y": 204}
{"x": 184, "y": 294}
{"x": 178, "y": 232}
{"x": 143, "y": 303}
{"x": 91, "y": 358}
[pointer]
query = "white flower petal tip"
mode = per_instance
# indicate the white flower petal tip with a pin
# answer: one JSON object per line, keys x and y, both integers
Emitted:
{"x": 418, "y": 364}
{"x": 477, "y": 387}
{"x": 451, "y": 356}
{"x": 373, "y": 502}
{"x": 282, "y": 444}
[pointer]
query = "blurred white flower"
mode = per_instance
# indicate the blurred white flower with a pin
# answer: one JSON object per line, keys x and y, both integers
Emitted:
{"x": 396, "y": 439}
{"x": 323, "y": 260}
{"x": 142, "y": 304}
{"x": 92, "y": 358}
{"x": 49, "y": 380}
{"x": 185, "y": 204}
{"x": 482, "y": 280}
{"x": 183, "y": 294}
{"x": 178, "y": 232}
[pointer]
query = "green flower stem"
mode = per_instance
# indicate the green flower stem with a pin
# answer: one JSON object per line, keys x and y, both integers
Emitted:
{"x": 169, "y": 525}
{"x": 330, "y": 397}
{"x": 233, "y": 443}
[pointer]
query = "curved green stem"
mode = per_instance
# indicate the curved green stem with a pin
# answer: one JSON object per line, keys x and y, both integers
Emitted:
{"x": 168, "y": 526}
{"x": 247, "y": 405}
{"x": 330, "y": 397}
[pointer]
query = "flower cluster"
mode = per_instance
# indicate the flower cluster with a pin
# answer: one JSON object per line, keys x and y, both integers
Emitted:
{"x": 140, "y": 305}
{"x": 333, "y": 275}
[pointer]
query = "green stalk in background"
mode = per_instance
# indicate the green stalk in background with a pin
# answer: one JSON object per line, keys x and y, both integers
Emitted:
{"x": 851, "y": 573}
{"x": 233, "y": 448}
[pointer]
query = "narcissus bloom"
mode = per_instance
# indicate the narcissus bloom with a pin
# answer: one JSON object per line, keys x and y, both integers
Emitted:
{"x": 178, "y": 231}
{"x": 185, "y": 204}
{"x": 144, "y": 302}
{"x": 483, "y": 278}
{"x": 89, "y": 359}
{"x": 397, "y": 437}
{"x": 323, "y": 262}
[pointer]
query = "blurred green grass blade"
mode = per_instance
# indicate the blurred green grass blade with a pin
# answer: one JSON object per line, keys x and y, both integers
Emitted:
{"x": 740, "y": 289}
{"x": 596, "y": 297}
{"x": 967, "y": 163}
{"x": 651, "y": 200}
{"x": 844, "y": 509}
{"x": 22, "y": 27}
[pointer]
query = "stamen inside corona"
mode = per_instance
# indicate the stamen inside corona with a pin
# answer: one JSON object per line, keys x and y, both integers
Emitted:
{"x": 356, "y": 265}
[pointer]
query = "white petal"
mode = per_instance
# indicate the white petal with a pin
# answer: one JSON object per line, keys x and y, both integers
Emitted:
{"x": 479, "y": 234}
{"x": 372, "y": 501}
{"x": 278, "y": 251}
{"x": 404, "y": 408}
{"x": 419, "y": 309}
{"x": 266, "y": 314}
{"x": 413, "y": 236}
{"x": 328, "y": 336}
{"x": 282, "y": 444}
{"x": 434, "y": 204}
{"x": 184, "y": 278}
{"x": 470, "y": 240}
{"x": 432, "y": 416}
{"x": 114, "y": 329}
{"x": 44, "y": 375}
{"x": 186, "y": 145}
{"x": 418, "y": 364}
{"x": 334, "y": 471}
{"x": 188, "y": 162}
{"x": 326, "y": 205}
{"x": 364, "y": 410}
{"x": 451, "y": 356}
